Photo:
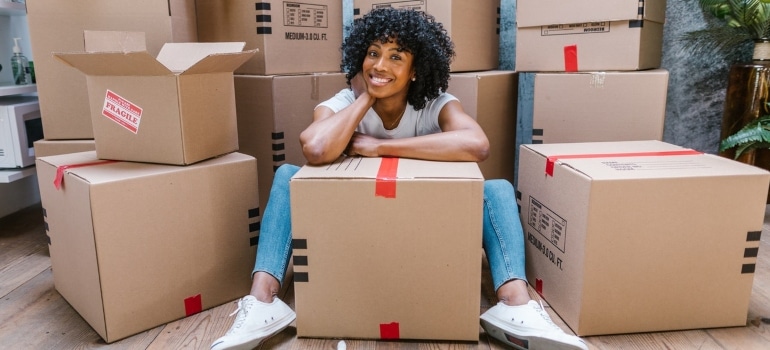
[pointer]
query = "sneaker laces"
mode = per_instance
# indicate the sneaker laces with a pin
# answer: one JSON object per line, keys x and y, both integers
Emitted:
{"x": 541, "y": 311}
{"x": 241, "y": 317}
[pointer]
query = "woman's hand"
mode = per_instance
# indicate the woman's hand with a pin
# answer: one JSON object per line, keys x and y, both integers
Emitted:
{"x": 363, "y": 145}
{"x": 358, "y": 85}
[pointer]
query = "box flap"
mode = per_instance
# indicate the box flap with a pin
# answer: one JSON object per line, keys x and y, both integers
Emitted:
{"x": 114, "y": 63}
{"x": 401, "y": 168}
{"x": 114, "y": 41}
{"x": 544, "y": 12}
{"x": 221, "y": 62}
{"x": 178, "y": 57}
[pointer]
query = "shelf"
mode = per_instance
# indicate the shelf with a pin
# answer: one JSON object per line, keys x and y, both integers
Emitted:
{"x": 11, "y": 175}
{"x": 8, "y": 8}
{"x": 6, "y": 90}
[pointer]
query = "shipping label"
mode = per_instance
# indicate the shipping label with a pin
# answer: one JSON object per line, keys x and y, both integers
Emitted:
{"x": 417, "y": 5}
{"x": 575, "y": 28}
{"x": 550, "y": 225}
{"x": 297, "y": 14}
{"x": 122, "y": 111}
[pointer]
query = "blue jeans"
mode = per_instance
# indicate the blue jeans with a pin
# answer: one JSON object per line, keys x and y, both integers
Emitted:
{"x": 503, "y": 237}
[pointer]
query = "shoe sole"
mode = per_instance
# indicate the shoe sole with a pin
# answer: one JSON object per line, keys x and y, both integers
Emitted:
{"x": 524, "y": 342}
{"x": 278, "y": 326}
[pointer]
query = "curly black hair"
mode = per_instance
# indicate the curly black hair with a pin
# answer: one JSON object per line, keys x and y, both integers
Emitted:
{"x": 417, "y": 33}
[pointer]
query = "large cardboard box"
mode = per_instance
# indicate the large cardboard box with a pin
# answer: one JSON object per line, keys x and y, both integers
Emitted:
{"x": 272, "y": 111}
{"x": 187, "y": 116}
{"x": 490, "y": 98}
{"x": 136, "y": 245}
{"x": 290, "y": 37}
{"x": 473, "y": 25}
{"x": 44, "y": 148}
{"x": 566, "y": 35}
{"x": 57, "y": 26}
{"x": 385, "y": 247}
{"x": 591, "y": 106}
{"x": 640, "y": 236}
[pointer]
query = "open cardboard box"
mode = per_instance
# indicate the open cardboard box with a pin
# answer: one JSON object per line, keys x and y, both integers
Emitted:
{"x": 178, "y": 108}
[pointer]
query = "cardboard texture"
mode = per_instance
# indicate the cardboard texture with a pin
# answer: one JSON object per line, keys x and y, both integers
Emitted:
{"x": 561, "y": 35}
{"x": 127, "y": 238}
{"x": 640, "y": 236}
{"x": 591, "y": 106}
{"x": 188, "y": 115}
{"x": 383, "y": 245}
{"x": 473, "y": 25}
{"x": 490, "y": 98}
{"x": 290, "y": 37}
{"x": 272, "y": 111}
{"x": 44, "y": 148}
{"x": 57, "y": 26}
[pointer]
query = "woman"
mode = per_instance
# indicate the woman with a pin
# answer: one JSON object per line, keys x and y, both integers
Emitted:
{"x": 397, "y": 64}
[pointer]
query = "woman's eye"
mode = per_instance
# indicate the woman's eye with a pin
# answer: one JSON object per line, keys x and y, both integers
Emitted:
{"x": 372, "y": 53}
{"x": 396, "y": 57}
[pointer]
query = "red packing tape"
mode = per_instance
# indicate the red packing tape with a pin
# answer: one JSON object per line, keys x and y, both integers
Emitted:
{"x": 549, "y": 164}
{"x": 59, "y": 180}
{"x": 385, "y": 185}
{"x": 193, "y": 305}
{"x": 389, "y": 331}
{"x": 570, "y": 58}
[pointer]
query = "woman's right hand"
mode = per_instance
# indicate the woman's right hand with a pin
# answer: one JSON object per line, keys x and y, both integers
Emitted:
{"x": 358, "y": 85}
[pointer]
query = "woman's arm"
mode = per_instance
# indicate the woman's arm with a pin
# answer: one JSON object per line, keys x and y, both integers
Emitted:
{"x": 461, "y": 139}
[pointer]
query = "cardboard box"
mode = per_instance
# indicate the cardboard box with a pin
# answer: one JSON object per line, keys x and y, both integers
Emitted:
{"x": 290, "y": 37}
{"x": 640, "y": 236}
{"x": 385, "y": 247}
{"x": 591, "y": 106}
{"x": 562, "y": 35}
{"x": 136, "y": 245}
{"x": 473, "y": 25}
{"x": 187, "y": 116}
{"x": 57, "y": 26}
{"x": 44, "y": 148}
{"x": 272, "y": 111}
{"x": 490, "y": 98}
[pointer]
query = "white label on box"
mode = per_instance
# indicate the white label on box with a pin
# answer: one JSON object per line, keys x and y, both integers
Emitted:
{"x": 575, "y": 28}
{"x": 416, "y": 5}
{"x": 305, "y": 15}
{"x": 122, "y": 111}
{"x": 550, "y": 225}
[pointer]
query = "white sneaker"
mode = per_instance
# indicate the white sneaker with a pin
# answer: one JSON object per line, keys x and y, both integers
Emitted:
{"x": 527, "y": 327}
{"x": 255, "y": 321}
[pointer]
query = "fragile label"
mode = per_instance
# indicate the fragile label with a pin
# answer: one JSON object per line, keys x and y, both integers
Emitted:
{"x": 575, "y": 28}
{"x": 550, "y": 225}
{"x": 122, "y": 111}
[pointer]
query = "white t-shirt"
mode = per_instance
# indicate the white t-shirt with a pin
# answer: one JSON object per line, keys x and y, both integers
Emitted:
{"x": 413, "y": 123}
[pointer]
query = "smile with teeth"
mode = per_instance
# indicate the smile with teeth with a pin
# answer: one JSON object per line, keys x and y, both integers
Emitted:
{"x": 379, "y": 81}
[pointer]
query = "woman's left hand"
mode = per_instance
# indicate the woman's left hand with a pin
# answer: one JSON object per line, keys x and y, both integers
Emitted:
{"x": 363, "y": 145}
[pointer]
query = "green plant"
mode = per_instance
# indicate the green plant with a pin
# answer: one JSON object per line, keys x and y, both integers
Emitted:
{"x": 755, "y": 134}
{"x": 737, "y": 23}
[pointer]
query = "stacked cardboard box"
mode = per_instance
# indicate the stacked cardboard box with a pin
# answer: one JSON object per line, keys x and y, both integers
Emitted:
{"x": 128, "y": 222}
{"x": 590, "y": 71}
{"x": 296, "y": 66}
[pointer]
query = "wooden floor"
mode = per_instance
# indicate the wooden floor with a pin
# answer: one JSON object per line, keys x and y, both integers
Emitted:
{"x": 34, "y": 316}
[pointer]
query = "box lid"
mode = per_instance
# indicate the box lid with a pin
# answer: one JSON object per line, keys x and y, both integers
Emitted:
{"x": 174, "y": 58}
{"x": 392, "y": 168}
{"x": 543, "y": 12}
{"x": 627, "y": 160}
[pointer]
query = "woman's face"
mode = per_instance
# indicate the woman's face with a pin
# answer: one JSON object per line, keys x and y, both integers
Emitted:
{"x": 387, "y": 69}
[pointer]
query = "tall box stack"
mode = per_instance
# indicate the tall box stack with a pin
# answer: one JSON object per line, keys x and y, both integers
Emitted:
{"x": 640, "y": 236}
{"x": 486, "y": 93}
{"x": 129, "y": 221}
{"x": 58, "y": 26}
{"x": 590, "y": 71}
{"x": 297, "y": 66}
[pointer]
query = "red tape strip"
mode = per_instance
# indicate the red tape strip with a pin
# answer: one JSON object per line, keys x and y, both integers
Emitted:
{"x": 389, "y": 331}
{"x": 539, "y": 286}
{"x": 385, "y": 185}
{"x": 570, "y": 58}
{"x": 193, "y": 305}
{"x": 58, "y": 182}
{"x": 549, "y": 164}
